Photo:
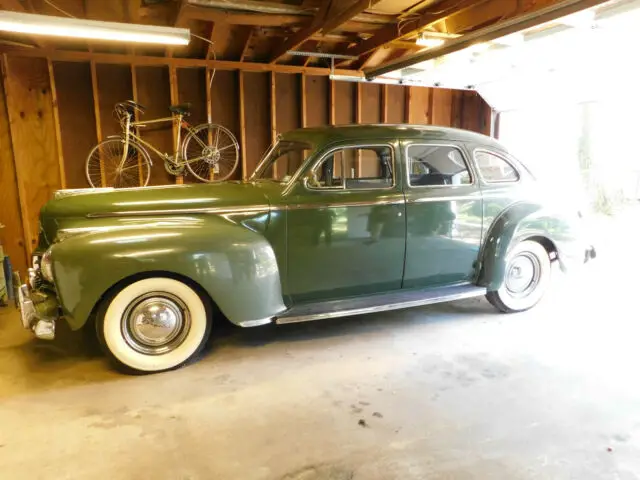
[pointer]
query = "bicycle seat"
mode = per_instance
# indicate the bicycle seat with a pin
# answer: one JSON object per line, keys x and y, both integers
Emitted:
{"x": 130, "y": 105}
{"x": 180, "y": 109}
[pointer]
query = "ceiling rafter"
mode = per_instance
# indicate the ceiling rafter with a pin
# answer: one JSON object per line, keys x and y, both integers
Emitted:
{"x": 411, "y": 25}
{"x": 322, "y": 23}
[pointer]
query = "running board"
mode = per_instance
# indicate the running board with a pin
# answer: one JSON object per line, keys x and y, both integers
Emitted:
{"x": 378, "y": 303}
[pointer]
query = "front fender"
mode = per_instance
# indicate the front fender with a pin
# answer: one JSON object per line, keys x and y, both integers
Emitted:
{"x": 236, "y": 266}
{"x": 526, "y": 220}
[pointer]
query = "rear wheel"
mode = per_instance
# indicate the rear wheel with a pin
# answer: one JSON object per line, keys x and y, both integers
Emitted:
{"x": 154, "y": 324}
{"x": 526, "y": 279}
{"x": 106, "y": 166}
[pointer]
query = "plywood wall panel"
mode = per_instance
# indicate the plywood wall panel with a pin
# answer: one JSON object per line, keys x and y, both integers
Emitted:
{"x": 317, "y": 95}
{"x": 419, "y": 106}
{"x": 288, "y": 102}
{"x": 12, "y": 235}
{"x": 345, "y": 103}
{"x": 114, "y": 85}
{"x": 30, "y": 109}
{"x": 192, "y": 88}
{"x": 225, "y": 109}
{"x": 257, "y": 113}
{"x": 154, "y": 92}
{"x": 370, "y": 103}
{"x": 395, "y": 103}
{"x": 77, "y": 119}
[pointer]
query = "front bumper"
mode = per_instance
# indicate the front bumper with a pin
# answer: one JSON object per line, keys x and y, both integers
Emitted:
{"x": 38, "y": 310}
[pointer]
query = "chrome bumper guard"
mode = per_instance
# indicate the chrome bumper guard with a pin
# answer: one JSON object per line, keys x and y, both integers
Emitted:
{"x": 43, "y": 327}
{"x": 589, "y": 254}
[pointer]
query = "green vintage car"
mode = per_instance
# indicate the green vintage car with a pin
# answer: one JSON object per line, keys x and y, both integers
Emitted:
{"x": 335, "y": 221}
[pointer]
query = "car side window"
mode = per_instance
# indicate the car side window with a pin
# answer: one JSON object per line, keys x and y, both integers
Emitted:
{"x": 354, "y": 168}
{"x": 436, "y": 165}
{"x": 495, "y": 169}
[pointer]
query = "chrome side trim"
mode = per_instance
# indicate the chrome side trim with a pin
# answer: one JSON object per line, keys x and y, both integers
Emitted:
{"x": 451, "y": 198}
{"x": 175, "y": 211}
{"x": 368, "y": 203}
{"x": 383, "y": 308}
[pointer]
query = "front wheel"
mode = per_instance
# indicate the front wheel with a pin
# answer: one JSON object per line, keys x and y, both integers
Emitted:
{"x": 211, "y": 153}
{"x": 109, "y": 164}
{"x": 152, "y": 325}
{"x": 527, "y": 275}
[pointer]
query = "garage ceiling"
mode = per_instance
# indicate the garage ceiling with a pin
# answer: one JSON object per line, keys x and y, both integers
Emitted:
{"x": 570, "y": 60}
{"x": 371, "y": 33}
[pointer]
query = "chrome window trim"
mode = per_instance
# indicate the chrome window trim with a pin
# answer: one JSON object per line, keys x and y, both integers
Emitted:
{"x": 457, "y": 147}
{"x": 495, "y": 154}
{"x": 344, "y": 187}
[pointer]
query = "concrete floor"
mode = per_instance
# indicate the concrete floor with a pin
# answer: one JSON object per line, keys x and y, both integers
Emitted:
{"x": 453, "y": 391}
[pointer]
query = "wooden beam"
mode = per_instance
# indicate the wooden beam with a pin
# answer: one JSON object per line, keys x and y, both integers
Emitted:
{"x": 407, "y": 104}
{"x": 16, "y": 6}
{"x": 384, "y": 103}
{"x": 347, "y": 14}
{"x": 243, "y": 126}
{"x": 531, "y": 18}
{"x": 96, "y": 112}
{"x": 302, "y": 35}
{"x": 410, "y": 26}
{"x": 247, "y": 42}
{"x": 274, "y": 116}
{"x": 56, "y": 121}
{"x": 209, "y": 74}
{"x": 175, "y": 98}
{"x": 332, "y": 102}
{"x": 207, "y": 14}
{"x": 210, "y": 46}
{"x": 136, "y": 116}
{"x": 303, "y": 100}
{"x": 124, "y": 59}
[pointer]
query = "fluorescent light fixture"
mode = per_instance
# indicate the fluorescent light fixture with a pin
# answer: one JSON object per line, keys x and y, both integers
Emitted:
{"x": 429, "y": 42}
{"x": 33, "y": 24}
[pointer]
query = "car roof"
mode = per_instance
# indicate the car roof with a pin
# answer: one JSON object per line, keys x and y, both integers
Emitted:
{"x": 330, "y": 134}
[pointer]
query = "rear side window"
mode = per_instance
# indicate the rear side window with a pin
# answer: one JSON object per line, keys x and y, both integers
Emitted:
{"x": 494, "y": 169}
{"x": 436, "y": 165}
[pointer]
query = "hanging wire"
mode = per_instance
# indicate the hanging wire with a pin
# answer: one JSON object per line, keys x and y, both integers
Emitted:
{"x": 213, "y": 51}
{"x": 51, "y": 4}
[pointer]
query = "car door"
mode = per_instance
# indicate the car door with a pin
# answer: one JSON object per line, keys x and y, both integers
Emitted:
{"x": 444, "y": 215}
{"x": 346, "y": 225}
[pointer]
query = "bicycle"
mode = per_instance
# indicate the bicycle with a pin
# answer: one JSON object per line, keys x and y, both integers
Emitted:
{"x": 209, "y": 151}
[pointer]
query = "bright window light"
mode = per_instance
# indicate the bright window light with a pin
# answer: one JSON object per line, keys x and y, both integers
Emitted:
{"x": 33, "y": 24}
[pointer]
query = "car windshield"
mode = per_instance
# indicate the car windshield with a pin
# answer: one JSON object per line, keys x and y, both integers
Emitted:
{"x": 283, "y": 161}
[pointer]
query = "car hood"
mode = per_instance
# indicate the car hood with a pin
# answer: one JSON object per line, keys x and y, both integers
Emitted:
{"x": 162, "y": 200}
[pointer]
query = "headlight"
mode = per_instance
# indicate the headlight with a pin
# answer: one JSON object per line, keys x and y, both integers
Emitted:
{"x": 46, "y": 266}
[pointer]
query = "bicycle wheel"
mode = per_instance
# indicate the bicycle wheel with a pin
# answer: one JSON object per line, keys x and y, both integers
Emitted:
{"x": 211, "y": 152}
{"x": 105, "y": 167}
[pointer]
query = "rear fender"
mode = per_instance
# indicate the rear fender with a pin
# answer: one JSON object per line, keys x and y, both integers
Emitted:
{"x": 523, "y": 221}
{"x": 236, "y": 266}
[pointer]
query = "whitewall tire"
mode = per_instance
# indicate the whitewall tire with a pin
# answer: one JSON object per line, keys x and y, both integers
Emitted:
{"x": 527, "y": 275}
{"x": 152, "y": 325}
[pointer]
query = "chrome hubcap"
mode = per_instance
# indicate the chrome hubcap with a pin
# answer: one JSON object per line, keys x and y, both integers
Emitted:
{"x": 523, "y": 274}
{"x": 156, "y": 323}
